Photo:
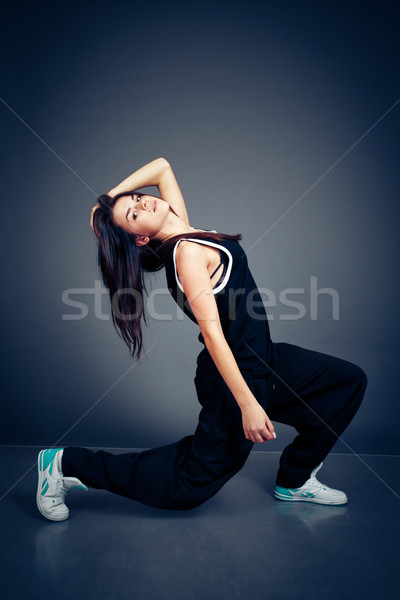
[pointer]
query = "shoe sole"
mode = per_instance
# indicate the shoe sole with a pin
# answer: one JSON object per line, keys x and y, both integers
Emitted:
{"x": 39, "y": 489}
{"x": 313, "y": 500}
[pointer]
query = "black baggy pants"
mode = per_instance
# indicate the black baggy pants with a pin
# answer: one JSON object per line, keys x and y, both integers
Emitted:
{"x": 316, "y": 393}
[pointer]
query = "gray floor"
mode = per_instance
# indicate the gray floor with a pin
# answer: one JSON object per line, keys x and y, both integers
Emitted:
{"x": 240, "y": 544}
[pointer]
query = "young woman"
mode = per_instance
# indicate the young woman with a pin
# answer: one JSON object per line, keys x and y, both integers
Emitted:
{"x": 243, "y": 379}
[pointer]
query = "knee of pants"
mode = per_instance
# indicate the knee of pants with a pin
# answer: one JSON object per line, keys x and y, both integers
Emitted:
{"x": 360, "y": 376}
{"x": 360, "y": 379}
{"x": 186, "y": 502}
{"x": 352, "y": 373}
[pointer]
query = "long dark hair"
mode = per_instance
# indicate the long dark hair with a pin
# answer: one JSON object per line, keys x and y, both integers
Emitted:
{"x": 123, "y": 266}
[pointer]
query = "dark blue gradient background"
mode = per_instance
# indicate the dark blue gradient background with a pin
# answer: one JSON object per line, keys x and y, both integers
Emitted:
{"x": 252, "y": 104}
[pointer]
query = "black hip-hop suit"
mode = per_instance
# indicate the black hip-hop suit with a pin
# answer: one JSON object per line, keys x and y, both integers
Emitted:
{"x": 316, "y": 393}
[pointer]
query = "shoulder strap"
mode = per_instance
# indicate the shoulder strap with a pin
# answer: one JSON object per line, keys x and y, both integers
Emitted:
{"x": 219, "y": 287}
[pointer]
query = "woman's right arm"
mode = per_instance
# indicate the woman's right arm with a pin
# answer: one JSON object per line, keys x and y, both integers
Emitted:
{"x": 193, "y": 274}
{"x": 159, "y": 173}
{"x": 150, "y": 174}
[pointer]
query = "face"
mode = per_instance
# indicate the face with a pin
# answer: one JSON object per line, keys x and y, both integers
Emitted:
{"x": 141, "y": 214}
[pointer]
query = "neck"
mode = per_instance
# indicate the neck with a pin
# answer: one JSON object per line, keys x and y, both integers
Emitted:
{"x": 173, "y": 226}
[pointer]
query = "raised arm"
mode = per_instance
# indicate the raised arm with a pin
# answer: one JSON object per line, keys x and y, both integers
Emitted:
{"x": 157, "y": 172}
{"x": 192, "y": 268}
{"x": 150, "y": 174}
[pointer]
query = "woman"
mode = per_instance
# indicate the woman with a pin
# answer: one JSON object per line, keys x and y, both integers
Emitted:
{"x": 243, "y": 379}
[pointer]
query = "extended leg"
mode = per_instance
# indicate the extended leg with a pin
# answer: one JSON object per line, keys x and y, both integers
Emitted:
{"x": 181, "y": 475}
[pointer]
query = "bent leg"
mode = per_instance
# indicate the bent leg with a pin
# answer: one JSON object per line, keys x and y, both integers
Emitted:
{"x": 181, "y": 475}
{"x": 318, "y": 395}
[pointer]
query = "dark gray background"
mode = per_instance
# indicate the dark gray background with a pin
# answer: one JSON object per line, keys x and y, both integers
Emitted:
{"x": 253, "y": 104}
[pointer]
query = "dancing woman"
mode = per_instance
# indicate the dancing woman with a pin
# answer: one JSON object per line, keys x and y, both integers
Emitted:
{"x": 243, "y": 380}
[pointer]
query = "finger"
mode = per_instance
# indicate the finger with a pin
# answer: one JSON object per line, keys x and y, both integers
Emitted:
{"x": 267, "y": 434}
{"x": 260, "y": 436}
{"x": 270, "y": 428}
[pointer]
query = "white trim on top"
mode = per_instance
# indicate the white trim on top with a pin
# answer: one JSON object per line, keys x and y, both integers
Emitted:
{"x": 223, "y": 283}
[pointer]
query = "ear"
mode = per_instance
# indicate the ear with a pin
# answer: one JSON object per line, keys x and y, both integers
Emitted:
{"x": 142, "y": 240}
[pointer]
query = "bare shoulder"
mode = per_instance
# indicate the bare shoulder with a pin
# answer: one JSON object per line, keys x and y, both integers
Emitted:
{"x": 191, "y": 255}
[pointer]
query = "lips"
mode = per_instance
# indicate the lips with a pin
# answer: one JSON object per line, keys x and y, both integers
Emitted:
{"x": 154, "y": 205}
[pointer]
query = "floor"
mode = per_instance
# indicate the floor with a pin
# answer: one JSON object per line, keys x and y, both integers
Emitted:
{"x": 242, "y": 543}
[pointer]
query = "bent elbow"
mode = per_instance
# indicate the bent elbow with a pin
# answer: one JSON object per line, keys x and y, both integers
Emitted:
{"x": 164, "y": 162}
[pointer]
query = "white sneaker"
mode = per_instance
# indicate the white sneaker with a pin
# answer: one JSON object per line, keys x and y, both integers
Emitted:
{"x": 52, "y": 485}
{"x": 311, "y": 491}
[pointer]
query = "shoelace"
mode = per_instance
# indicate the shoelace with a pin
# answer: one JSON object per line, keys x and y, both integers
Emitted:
{"x": 315, "y": 483}
{"x": 61, "y": 490}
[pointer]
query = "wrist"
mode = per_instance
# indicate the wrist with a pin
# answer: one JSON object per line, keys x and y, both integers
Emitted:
{"x": 246, "y": 402}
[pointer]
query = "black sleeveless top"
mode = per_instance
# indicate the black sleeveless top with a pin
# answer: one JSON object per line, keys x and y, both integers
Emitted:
{"x": 241, "y": 311}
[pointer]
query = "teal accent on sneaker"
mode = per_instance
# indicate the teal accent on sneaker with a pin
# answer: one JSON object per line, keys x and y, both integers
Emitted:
{"x": 48, "y": 457}
{"x": 53, "y": 486}
{"x": 283, "y": 491}
{"x": 312, "y": 491}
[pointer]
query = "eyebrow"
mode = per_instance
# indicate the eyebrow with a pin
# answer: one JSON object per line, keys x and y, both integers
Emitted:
{"x": 127, "y": 212}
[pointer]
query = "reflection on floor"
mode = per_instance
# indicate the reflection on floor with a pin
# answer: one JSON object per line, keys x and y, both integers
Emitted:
{"x": 242, "y": 543}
